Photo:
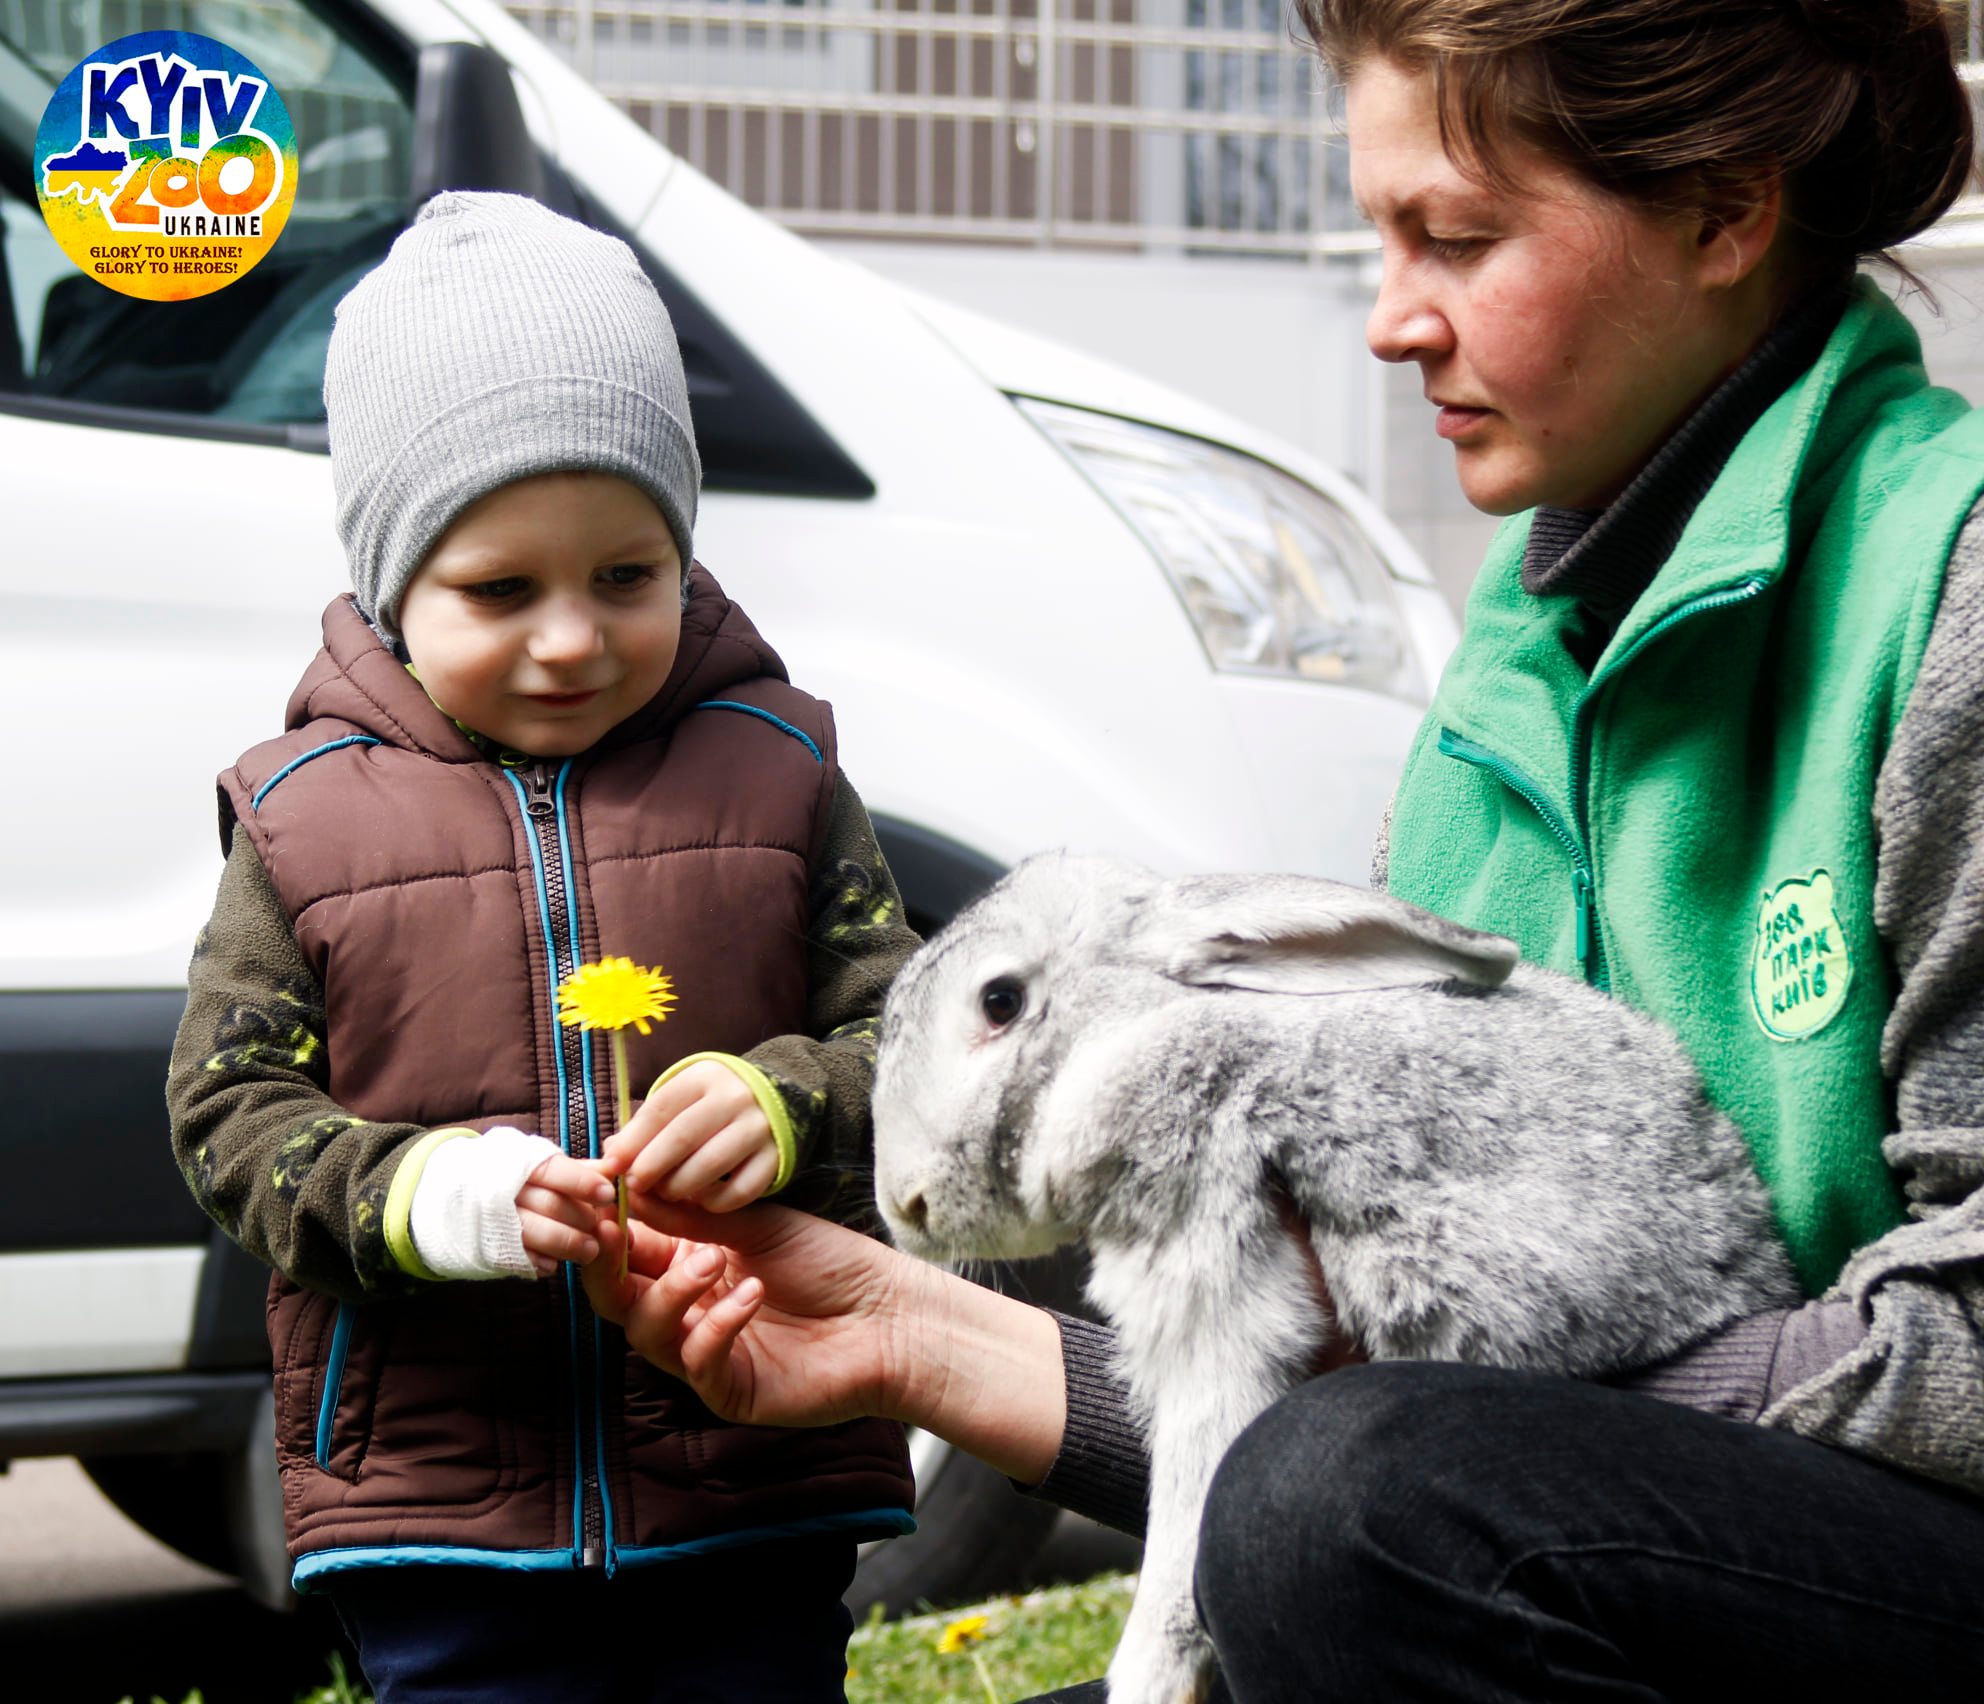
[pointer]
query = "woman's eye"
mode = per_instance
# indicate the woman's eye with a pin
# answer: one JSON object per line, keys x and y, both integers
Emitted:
{"x": 1002, "y": 1000}
{"x": 1454, "y": 248}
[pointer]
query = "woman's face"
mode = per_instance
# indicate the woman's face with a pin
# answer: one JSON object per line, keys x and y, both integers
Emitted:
{"x": 1562, "y": 333}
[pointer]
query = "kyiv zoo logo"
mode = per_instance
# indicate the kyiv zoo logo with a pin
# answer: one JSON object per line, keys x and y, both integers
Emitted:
{"x": 165, "y": 165}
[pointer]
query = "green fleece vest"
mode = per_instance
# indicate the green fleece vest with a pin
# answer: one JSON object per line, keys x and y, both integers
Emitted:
{"x": 1692, "y": 825}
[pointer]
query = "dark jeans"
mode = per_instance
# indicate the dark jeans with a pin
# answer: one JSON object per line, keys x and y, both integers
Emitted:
{"x": 759, "y": 1625}
{"x": 1412, "y": 1531}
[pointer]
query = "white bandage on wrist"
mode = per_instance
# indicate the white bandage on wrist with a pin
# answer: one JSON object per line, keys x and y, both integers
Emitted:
{"x": 464, "y": 1216}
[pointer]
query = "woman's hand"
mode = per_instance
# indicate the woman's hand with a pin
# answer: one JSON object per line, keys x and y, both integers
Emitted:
{"x": 777, "y": 1318}
{"x": 1339, "y": 1349}
{"x": 823, "y": 1306}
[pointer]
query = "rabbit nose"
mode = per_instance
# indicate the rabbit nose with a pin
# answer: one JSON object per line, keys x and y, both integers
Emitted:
{"x": 914, "y": 1210}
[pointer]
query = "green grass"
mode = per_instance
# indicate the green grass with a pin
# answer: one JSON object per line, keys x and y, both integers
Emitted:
{"x": 1000, "y": 1651}
{"x": 341, "y": 1688}
{"x": 1052, "y": 1637}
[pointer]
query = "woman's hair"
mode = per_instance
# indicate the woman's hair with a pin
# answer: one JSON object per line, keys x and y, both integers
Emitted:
{"x": 1855, "y": 104}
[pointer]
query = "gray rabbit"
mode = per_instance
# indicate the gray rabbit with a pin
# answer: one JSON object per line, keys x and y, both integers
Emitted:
{"x": 1494, "y": 1163}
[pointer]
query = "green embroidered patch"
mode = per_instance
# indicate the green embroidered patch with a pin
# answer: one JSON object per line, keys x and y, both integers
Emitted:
{"x": 1800, "y": 966}
{"x": 251, "y": 1039}
{"x": 857, "y": 1037}
{"x": 855, "y": 905}
{"x": 300, "y": 1152}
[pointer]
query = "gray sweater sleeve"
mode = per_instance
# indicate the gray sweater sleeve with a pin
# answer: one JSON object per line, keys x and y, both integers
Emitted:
{"x": 1103, "y": 1467}
{"x": 1891, "y": 1361}
{"x": 1911, "y": 1391}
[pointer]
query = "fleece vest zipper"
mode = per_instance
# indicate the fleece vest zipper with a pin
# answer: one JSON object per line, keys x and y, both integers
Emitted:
{"x": 1569, "y": 828}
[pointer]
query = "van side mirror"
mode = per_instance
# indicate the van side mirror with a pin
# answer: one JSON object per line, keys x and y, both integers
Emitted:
{"x": 469, "y": 130}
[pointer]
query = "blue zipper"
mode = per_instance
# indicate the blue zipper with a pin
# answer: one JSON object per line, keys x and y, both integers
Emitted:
{"x": 543, "y": 802}
{"x": 589, "y": 1322}
{"x": 327, "y": 1405}
{"x": 1573, "y": 831}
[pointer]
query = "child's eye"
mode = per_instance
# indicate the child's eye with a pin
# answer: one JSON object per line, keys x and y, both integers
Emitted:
{"x": 627, "y": 575}
{"x": 496, "y": 591}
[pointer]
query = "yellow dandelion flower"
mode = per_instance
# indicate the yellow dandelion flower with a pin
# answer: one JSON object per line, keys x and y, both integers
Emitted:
{"x": 960, "y": 1633}
{"x": 610, "y": 995}
{"x": 614, "y": 993}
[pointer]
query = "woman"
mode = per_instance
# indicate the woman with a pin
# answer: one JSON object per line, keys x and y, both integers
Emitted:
{"x": 1713, "y": 738}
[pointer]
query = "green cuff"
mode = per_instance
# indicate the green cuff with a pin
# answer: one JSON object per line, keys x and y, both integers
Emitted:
{"x": 399, "y": 1204}
{"x": 770, "y": 1102}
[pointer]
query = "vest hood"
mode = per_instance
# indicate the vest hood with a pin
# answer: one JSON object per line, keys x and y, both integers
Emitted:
{"x": 355, "y": 678}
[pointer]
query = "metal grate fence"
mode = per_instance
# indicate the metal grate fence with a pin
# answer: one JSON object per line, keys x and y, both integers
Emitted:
{"x": 1970, "y": 210}
{"x": 1189, "y": 125}
{"x": 1198, "y": 124}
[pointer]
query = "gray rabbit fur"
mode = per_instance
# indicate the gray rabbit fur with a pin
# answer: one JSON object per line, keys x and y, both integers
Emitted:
{"x": 1494, "y": 1163}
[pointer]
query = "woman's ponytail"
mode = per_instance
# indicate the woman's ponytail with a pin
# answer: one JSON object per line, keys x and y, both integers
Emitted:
{"x": 1904, "y": 152}
{"x": 1851, "y": 29}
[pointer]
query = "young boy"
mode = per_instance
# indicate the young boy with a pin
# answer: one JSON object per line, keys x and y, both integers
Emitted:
{"x": 534, "y": 739}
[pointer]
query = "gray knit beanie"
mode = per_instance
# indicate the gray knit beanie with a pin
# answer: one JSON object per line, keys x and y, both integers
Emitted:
{"x": 497, "y": 340}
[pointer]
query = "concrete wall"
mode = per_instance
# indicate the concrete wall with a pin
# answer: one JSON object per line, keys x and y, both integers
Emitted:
{"x": 1281, "y": 344}
{"x": 1952, "y": 325}
{"x": 1277, "y": 343}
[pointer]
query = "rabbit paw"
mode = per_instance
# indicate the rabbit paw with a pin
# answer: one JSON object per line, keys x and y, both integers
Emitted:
{"x": 1162, "y": 1660}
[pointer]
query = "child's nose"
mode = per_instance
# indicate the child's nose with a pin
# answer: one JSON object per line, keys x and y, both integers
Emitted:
{"x": 565, "y": 633}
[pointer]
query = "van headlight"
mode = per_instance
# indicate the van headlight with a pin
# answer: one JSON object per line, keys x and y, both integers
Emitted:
{"x": 1277, "y": 579}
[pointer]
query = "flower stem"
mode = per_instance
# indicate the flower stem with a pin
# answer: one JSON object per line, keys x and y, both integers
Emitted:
{"x": 984, "y": 1677}
{"x": 626, "y": 1118}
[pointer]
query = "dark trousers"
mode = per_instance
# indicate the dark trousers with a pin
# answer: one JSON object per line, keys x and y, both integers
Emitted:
{"x": 1411, "y": 1531}
{"x": 759, "y": 1625}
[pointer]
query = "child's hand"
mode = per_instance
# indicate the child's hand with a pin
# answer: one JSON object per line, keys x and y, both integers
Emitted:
{"x": 700, "y": 1137}
{"x": 559, "y": 1208}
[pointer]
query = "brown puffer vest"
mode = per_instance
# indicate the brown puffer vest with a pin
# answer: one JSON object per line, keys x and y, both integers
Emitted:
{"x": 439, "y": 898}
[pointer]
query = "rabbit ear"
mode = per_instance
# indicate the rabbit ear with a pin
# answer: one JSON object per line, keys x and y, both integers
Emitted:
{"x": 1303, "y": 935}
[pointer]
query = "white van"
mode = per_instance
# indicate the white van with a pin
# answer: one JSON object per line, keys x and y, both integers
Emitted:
{"x": 1051, "y": 604}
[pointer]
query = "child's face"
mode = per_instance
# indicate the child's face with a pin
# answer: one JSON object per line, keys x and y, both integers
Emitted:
{"x": 549, "y": 612}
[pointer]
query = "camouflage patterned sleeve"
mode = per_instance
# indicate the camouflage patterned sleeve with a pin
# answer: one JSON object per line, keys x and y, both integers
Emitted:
{"x": 857, "y": 942}
{"x": 283, "y": 1169}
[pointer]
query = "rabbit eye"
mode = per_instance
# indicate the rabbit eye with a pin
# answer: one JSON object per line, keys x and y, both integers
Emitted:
{"x": 1002, "y": 1000}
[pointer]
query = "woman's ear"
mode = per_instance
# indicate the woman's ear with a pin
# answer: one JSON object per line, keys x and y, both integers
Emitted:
{"x": 1737, "y": 230}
